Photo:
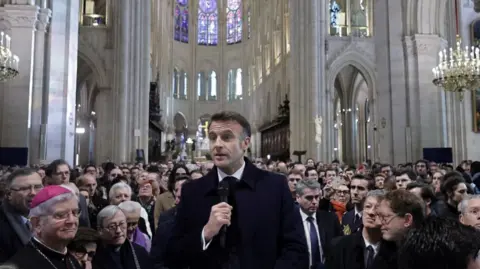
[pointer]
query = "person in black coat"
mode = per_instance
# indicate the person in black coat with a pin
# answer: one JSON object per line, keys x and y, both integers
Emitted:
{"x": 259, "y": 214}
{"x": 15, "y": 233}
{"x": 166, "y": 221}
{"x": 365, "y": 249}
{"x": 115, "y": 250}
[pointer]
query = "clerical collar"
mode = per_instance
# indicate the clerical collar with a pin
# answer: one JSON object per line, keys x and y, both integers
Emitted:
{"x": 238, "y": 174}
{"x": 44, "y": 248}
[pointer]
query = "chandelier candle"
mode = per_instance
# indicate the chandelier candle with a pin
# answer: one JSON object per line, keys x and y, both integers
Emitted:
{"x": 458, "y": 69}
{"x": 8, "y": 61}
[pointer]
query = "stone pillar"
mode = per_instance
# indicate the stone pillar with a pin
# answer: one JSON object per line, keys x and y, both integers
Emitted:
{"x": 104, "y": 135}
{"x": 61, "y": 80}
{"x": 120, "y": 24}
{"x": 37, "y": 132}
{"x": 17, "y": 93}
{"x": 308, "y": 93}
{"x": 145, "y": 76}
{"x": 389, "y": 101}
{"x": 430, "y": 126}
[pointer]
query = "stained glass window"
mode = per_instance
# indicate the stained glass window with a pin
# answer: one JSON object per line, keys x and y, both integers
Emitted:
{"x": 207, "y": 23}
{"x": 234, "y": 21}
{"x": 249, "y": 18}
{"x": 181, "y": 21}
{"x": 334, "y": 9}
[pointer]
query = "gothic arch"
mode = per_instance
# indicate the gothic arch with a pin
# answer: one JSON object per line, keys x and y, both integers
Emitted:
{"x": 362, "y": 64}
{"x": 180, "y": 122}
{"x": 95, "y": 63}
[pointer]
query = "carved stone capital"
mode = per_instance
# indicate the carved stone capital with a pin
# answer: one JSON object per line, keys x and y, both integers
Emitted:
{"x": 21, "y": 16}
{"x": 43, "y": 19}
{"x": 426, "y": 44}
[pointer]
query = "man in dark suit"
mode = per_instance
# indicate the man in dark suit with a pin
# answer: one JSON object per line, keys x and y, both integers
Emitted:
{"x": 359, "y": 187}
{"x": 319, "y": 226}
{"x": 259, "y": 214}
{"x": 365, "y": 249}
{"x": 15, "y": 232}
{"x": 166, "y": 222}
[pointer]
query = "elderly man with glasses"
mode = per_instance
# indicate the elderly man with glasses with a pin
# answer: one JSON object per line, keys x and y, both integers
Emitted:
{"x": 54, "y": 217}
{"x": 22, "y": 185}
{"x": 116, "y": 250}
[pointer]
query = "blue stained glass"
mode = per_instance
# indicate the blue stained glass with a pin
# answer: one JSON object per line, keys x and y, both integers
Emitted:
{"x": 234, "y": 21}
{"x": 181, "y": 21}
{"x": 334, "y": 9}
{"x": 207, "y": 22}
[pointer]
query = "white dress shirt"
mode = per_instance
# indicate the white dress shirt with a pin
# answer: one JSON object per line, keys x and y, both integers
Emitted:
{"x": 306, "y": 227}
{"x": 221, "y": 175}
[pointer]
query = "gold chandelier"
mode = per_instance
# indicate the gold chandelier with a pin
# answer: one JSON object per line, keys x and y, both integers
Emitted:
{"x": 8, "y": 60}
{"x": 458, "y": 69}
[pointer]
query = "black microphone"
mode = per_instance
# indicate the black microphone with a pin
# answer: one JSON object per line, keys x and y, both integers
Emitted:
{"x": 223, "y": 191}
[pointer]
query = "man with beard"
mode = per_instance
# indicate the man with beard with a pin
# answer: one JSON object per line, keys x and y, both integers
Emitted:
{"x": 21, "y": 186}
{"x": 54, "y": 217}
{"x": 365, "y": 249}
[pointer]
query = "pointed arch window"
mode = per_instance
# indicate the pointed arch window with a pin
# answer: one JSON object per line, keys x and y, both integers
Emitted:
{"x": 235, "y": 87}
{"x": 207, "y": 23}
{"x": 181, "y": 21}
{"x": 180, "y": 84}
{"x": 234, "y": 21}
{"x": 207, "y": 86}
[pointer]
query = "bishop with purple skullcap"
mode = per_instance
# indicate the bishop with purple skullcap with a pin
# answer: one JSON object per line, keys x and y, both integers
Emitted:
{"x": 48, "y": 193}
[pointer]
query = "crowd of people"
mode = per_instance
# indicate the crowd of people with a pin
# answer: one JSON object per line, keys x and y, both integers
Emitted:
{"x": 232, "y": 212}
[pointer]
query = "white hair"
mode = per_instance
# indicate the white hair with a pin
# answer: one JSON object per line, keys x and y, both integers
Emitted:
{"x": 118, "y": 186}
{"x": 130, "y": 207}
{"x": 462, "y": 207}
{"x": 46, "y": 208}
{"x": 72, "y": 187}
{"x": 107, "y": 212}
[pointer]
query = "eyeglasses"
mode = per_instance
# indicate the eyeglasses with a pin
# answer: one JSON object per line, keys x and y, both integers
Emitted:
{"x": 113, "y": 227}
{"x": 132, "y": 224}
{"x": 80, "y": 253}
{"x": 63, "y": 215}
{"x": 65, "y": 173}
{"x": 474, "y": 211}
{"x": 114, "y": 175}
{"x": 29, "y": 188}
{"x": 385, "y": 220}
{"x": 311, "y": 197}
{"x": 343, "y": 192}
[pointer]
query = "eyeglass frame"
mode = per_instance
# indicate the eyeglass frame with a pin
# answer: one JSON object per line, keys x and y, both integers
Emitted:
{"x": 29, "y": 188}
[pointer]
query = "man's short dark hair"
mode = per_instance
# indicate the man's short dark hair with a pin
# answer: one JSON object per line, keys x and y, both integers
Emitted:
{"x": 52, "y": 167}
{"x": 20, "y": 172}
{"x": 232, "y": 116}
{"x": 371, "y": 183}
{"x": 410, "y": 174}
{"x": 426, "y": 190}
{"x": 403, "y": 202}
{"x": 439, "y": 243}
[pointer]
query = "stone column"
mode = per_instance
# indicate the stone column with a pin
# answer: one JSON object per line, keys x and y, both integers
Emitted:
{"x": 104, "y": 133}
{"x": 121, "y": 33}
{"x": 37, "y": 130}
{"x": 145, "y": 74}
{"x": 17, "y": 93}
{"x": 389, "y": 101}
{"x": 308, "y": 94}
{"x": 61, "y": 80}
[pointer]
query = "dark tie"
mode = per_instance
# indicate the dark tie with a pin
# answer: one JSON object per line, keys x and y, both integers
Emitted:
{"x": 28, "y": 225}
{"x": 370, "y": 257}
{"x": 356, "y": 220}
{"x": 314, "y": 244}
